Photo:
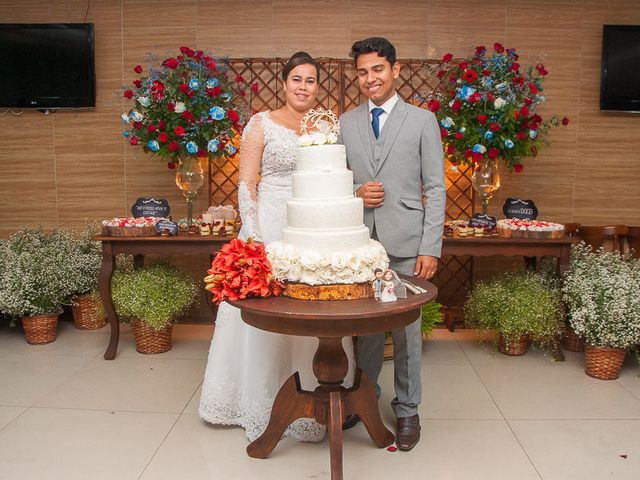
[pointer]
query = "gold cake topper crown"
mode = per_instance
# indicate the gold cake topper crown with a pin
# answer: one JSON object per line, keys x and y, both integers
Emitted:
{"x": 321, "y": 120}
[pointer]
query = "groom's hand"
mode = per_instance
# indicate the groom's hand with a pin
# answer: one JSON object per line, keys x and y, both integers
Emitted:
{"x": 372, "y": 194}
{"x": 426, "y": 266}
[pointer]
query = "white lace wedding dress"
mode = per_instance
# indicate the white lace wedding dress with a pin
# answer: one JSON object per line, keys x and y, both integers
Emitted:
{"x": 247, "y": 366}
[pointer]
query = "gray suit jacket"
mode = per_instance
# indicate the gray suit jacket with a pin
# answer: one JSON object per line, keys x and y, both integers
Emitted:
{"x": 407, "y": 158}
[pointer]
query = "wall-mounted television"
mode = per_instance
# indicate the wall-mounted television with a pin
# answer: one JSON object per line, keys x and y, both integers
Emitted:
{"x": 620, "y": 75}
{"x": 47, "y": 65}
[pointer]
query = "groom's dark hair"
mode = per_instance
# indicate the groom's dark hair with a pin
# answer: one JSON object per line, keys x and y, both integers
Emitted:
{"x": 297, "y": 59}
{"x": 381, "y": 46}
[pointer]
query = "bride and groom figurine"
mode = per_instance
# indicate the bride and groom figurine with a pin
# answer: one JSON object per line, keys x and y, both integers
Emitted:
{"x": 395, "y": 153}
{"x": 387, "y": 286}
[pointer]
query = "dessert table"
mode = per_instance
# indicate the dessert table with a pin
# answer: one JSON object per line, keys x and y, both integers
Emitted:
{"x": 330, "y": 402}
{"x": 139, "y": 246}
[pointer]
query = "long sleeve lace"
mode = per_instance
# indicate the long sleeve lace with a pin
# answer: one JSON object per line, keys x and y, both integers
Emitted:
{"x": 251, "y": 149}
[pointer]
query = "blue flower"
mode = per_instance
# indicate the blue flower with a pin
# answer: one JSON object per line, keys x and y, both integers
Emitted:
{"x": 125, "y": 133}
{"x": 533, "y": 134}
{"x": 508, "y": 143}
{"x": 125, "y": 118}
{"x": 194, "y": 84}
{"x": 212, "y": 146}
{"x": 144, "y": 101}
{"x": 465, "y": 92}
{"x": 217, "y": 113}
{"x": 231, "y": 149}
{"x": 488, "y": 134}
{"x": 153, "y": 145}
{"x": 213, "y": 82}
{"x": 478, "y": 148}
{"x": 447, "y": 122}
{"x": 135, "y": 116}
{"x": 192, "y": 148}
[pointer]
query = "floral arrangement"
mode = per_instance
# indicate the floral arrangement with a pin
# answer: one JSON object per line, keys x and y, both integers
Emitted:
{"x": 515, "y": 304}
{"x": 155, "y": 294}
{"x": 486, "y": 106}
{"x": 86, "y": 261}
{"x": 602, "y": 292}
{"x": 185, "y": 106}
{"x": 241, "y": 270}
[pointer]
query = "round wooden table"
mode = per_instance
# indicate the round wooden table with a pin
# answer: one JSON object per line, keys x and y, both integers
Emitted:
{"x": 330, "y": 402}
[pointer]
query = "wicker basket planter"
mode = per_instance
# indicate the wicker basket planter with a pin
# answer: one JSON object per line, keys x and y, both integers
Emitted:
{"x": 513, "y": 346}
{"x": 41, "y": 329}
{"x": 86, "y": 314}
{"x": 571, "y": 341}
{"x": 150, "y": 341}
{"x": 603, "y": 363}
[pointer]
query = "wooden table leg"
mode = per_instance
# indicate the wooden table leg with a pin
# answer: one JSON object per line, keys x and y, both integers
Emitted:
{"x": 334, "y": 426}
{"x": 104, "y": 286}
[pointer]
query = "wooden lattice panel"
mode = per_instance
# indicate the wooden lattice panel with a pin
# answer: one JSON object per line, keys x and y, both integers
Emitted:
{"x": 339, "y": 91}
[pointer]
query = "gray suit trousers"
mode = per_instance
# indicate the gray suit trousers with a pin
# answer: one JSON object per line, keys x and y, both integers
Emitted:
{"x": 407, "y": 358}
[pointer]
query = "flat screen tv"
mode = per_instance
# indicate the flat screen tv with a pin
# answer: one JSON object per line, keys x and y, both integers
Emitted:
{"x": 47, "y": 66}
{"x": 620, "y": 76}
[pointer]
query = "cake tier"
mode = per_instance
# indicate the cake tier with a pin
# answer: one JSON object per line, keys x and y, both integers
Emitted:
{"x": 316, "y": 185}
{"x": 352, "y": 291}
{"x": 312, "y": 267}
{"x": 327, "y": 239}
{"x": 321, "y": 157}
{"x": 326, "y": 214}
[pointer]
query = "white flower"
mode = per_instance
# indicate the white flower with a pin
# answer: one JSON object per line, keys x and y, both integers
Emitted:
{"x": 179, "y": 107}
{"x": 319, "y": 138}
{"x": 305, "y": 140}
{"x": 332, "y": 138}
{"x": 499, "y": 103}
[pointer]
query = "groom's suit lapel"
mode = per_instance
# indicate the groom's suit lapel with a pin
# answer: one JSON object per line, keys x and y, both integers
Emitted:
{"x": 390, "y": 131}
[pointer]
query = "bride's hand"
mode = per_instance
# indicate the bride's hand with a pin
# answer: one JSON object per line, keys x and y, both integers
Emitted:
{"x": 372, "y": 194}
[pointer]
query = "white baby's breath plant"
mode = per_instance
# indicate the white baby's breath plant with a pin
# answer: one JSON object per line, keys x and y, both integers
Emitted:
{"x": 602, "y": 292}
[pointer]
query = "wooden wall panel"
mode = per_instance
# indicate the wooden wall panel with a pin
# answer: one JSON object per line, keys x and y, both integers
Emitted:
{"x": 72, "y": 165}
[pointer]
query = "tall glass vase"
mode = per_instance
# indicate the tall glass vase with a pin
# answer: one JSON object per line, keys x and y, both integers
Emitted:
{"x": 486, "y": 180}
{"x": 189, "y": 178}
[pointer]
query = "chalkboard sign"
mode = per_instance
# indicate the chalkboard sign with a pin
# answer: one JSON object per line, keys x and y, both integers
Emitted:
{"x": 521, "y": 209}
{"x": 167, "y": 227}
{"x": 150, "y": 207}
{"x": 485, "y": 221}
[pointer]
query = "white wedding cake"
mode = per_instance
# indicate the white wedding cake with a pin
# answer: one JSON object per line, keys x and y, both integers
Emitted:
{"x": 325, "y": 241}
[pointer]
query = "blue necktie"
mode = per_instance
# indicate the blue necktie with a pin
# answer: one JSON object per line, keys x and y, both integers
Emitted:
{"x": 375, "y": 120}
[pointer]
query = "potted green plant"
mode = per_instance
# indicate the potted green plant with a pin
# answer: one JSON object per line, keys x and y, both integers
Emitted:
{"x": 431, "y": 316}
{"x": 602, "y": 292}
{"x": 518, "y": 307}
{"x": 88, "y": 313}
{"x": 151, "y": 298}
{"x": 36, "y": 280}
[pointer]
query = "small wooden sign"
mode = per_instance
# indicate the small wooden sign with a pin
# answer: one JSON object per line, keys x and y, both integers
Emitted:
{"x": 167, "y": 227}
{"x": 521, "y": 209}
{"x": 150, "y": 207}
{"x": 487, "y": 222}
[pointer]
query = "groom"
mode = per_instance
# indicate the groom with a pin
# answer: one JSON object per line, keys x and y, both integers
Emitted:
{"x": 396, "y": 155}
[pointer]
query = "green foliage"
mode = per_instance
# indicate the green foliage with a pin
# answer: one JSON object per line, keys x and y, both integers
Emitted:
{"x": 155, "y": 294}
{"x": 515, "y": 304}
{"x": 431, "y": 316}
{"x": 86, "y": 260}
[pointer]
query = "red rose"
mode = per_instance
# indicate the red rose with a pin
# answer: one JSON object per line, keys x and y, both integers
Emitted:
{"x": 233, "y": 115}
{"x": 459, "y": 135}
{"x": 242, "y": 93}
{"x": 533, "y": 88}
{"x": 525, "y": 123}
{"x": 519, "y": 81}
{"x": 514, "y": 67}
{"x": 518, "y": 167}
{"x": 462, "y": 65}
{"x": 440, "y": 73}
{"x": 133, "y": 141}
{"x": 171, "y": 63}
{"x": 536, "y": 118}
{"x": 187, "y": 115}
{"x": 450, "y": 149}
{"x": 163, "y": 137}
{"x": 491, "y": 97}
{"x": 482, "y": 119}
{"x": 128, "y": 94}
{"x": 214, "y": 92}
{"x": 498, "y": 47}
{"x": 468, "y": 153}
{"x": 493, "y": 152}
{"x": 171, "y": 107}
{"x": 190, "y": 93}
{"x": 433, "y": 105}
{"x": 173, "y": 146}
{"x": 211, "y": 64}
{"x": 179, "y": 130}
{"x": 184, "y": 88}
{"x": 239, "y": 79}
{"x": 520, "y": 135}
{"x": 528, "y": 101}
{"x": 480, "y": 49}
{"x": 157, "y": 86}
{"x": 138, "y": 69}
{"x": 457, "y": 105}
{"x": 475, "y": 97}
{"x": 534, "y": 126}
{"x": 161, "y": 125}
{"x": 202, "y": 153}
{"x": 151, "y": 128}
{"x": 447, "y": 57}
{"x": 476, "y": 156}
{"x": 444, "y": 133}
{"x": 470, "y": 76}
{"x": 541, "y": 70}
{"x": 137, "y": 125}
{"x": 254, "y": 87}
{"x": 137, "y": 83}
{"x": 494, "y": 126}
{"x": 524, "y": 110}
{"x": 486, "y": 72}
{"x": 565, "y": 121}
{"x": 171, "y": 165}
{"x": 187, "y": 51}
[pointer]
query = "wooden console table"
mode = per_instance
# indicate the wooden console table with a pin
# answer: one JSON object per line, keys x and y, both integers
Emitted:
{"x": 330, "y": 402}
{"x": 111, "y": 246}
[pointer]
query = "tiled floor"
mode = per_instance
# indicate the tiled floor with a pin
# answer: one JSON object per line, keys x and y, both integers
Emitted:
{"x": 66, "y": 413}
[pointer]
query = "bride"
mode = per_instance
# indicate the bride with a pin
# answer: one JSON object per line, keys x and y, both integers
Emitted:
{"x": 247, "y": 366}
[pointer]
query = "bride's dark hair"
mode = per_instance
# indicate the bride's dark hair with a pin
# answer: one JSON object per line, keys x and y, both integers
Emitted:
{"x": 300, "y": 58}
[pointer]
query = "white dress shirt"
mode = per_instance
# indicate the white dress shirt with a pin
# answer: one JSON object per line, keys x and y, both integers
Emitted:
{"x": 386, "y": 106}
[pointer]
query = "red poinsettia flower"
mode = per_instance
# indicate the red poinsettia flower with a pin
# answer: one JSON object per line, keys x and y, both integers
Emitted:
{"x": 470, "y": 76}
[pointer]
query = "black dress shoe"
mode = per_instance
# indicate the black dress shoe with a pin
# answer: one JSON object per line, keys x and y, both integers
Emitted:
{"x": 408, "y": 432}
{"x": 350, "y": 422}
